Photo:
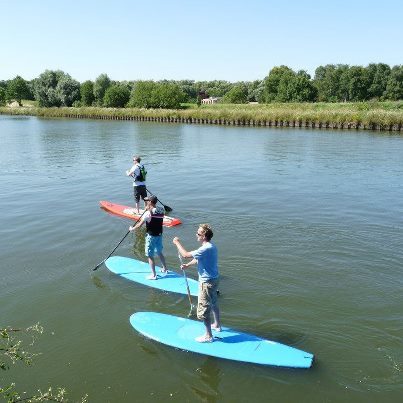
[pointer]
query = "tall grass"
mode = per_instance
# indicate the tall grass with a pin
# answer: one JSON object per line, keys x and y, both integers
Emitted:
{"x": 380, "y": 115}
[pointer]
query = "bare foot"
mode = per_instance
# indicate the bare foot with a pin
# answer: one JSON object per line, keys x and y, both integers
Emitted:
{"x": 204, "y": 339}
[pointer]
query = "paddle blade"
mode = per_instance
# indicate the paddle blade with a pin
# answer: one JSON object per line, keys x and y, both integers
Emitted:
{"x": 167, "y": 208}
{"x": 98, "y": 266}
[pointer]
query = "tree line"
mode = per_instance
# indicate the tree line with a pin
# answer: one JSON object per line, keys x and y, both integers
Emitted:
{"x": 331, "y": 83}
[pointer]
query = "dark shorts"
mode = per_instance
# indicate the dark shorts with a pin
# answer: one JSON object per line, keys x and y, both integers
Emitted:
{"x": 139, "y": 191}
{"x": 207, "y": 298}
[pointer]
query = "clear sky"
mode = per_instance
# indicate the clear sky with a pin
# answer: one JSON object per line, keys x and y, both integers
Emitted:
{"x": 229, "y": 40}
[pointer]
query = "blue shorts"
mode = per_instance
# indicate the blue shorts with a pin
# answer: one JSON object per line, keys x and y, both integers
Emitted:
{"x": 153, "y": 245}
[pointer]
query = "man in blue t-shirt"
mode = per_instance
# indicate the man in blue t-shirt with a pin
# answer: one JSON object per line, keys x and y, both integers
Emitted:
{"x": 206, "y": 259}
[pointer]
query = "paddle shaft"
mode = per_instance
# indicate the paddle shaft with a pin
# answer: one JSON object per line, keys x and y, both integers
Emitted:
{"x": 167, "y": 208}
{"x": 187, "y": 284}
{"x": 127, "y": 233}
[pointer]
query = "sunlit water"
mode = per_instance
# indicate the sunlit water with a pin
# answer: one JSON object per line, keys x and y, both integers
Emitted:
{"x": 309, "y": 227}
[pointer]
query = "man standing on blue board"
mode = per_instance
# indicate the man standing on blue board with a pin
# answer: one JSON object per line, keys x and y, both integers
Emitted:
{"x": 138, "y": 172}
{"x": 153, "y": 217}
{"x": 207, "y": 267}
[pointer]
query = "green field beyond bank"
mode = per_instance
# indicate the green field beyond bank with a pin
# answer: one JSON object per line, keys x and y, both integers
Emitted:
{"x": 359, "y": 115}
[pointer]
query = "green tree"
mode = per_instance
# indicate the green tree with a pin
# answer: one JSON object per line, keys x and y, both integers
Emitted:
{"x": 378, "y": 75}
{"x": 329, "y": 82}
{"x": 67, "y": 90}
{"x": 56, "y": 88}
{"x": 237, "y": 95}
{"x": 141, "y": 95}
{"x": 167, "y": 95}
{"x": 149, "y": 94}
{"x": 255, "y": 90}
{"x": 2, "y": 96}
{"x": 218, "y": 88}
{"x": 102, "y": 83}
{"x": 31, "y": 90}
{"x": 394, "y": 87}
{"x": 17, "y": 90}
{"x": 277, "y": 76}
{"x": 285, "y": 90}
{"x": 116, "y": 96}
{"x": 87, "y": 93}
{"x": 45, "y": 86}
{"x": 189, "y": 89}
{"x": 358, "y": 83}
{"x": 301, "y": 88}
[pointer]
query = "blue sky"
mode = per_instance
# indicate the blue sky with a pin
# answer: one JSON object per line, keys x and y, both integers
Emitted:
{"x": 198, "y": 40}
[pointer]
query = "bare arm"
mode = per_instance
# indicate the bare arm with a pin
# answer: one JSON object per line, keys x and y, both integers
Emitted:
{"x": 181, "y": 249}
{"x": 130, "y": 172}
{"x": 139, "y": 223}
{"x": 191, "y": 263}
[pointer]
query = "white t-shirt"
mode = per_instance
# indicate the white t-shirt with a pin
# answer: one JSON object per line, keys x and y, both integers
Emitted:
{"x": 156, "y": 210}
{"x": 135, "y": 171}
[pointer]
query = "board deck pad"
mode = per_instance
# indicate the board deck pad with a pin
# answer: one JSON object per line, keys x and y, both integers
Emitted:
{"x": 130, "y": 212}
{"x": 229, "y": 344}
{"x": 137, "y": 271}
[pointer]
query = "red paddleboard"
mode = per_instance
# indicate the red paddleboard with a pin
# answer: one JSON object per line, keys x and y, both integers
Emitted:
{"x": 130, "y": 212}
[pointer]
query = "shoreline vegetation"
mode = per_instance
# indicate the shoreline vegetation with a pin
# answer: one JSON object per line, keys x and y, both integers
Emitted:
{"x": 383, "y": 116}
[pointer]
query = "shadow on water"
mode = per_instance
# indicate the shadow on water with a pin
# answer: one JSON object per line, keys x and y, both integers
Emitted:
{"x": 209, "y": 375}
{"x": 98, "y": 282}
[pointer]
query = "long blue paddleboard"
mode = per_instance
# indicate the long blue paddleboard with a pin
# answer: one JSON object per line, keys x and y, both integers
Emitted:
{"x": 135, "y": 270}
{"x": 229, "y": 343}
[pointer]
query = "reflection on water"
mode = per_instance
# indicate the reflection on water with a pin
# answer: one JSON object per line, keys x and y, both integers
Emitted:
{"x": 209, "y": 377}
{"x": 138, "y": 244}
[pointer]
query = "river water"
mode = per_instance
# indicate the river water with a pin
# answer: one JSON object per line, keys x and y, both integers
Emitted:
{"x": 309, "y": 228}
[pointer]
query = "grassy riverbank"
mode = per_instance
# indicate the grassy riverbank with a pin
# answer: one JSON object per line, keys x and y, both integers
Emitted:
{"x": 362, "y": 115}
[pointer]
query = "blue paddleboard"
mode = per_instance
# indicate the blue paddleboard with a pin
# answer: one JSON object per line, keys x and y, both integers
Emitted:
{"x": 229, "y": 343}
{"x": 135, "y": 270}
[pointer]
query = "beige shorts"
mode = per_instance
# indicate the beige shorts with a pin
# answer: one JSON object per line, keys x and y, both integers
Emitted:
{"x": 207, "y": 298}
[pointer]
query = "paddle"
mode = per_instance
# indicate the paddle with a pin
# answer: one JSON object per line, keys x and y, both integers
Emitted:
{"x": 187, "y": 288}
{"x": 127, "y": 233}
{"x": 167, "y": 208}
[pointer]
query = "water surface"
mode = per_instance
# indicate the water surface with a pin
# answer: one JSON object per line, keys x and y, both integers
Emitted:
{"x": 310, "y": 232}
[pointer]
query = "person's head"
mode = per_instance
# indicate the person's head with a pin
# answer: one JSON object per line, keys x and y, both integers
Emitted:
{"x": 205, "y": 231}
{"x": 151, "y": 199}
{"x": 136, "y": 158}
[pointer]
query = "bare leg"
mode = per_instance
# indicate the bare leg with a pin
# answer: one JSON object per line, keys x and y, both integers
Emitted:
{"x": 207, "y": 325}
{"x": 164, "y": 266}
{"x": 151, "y": 262}
{"x": 216, "y": 325}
